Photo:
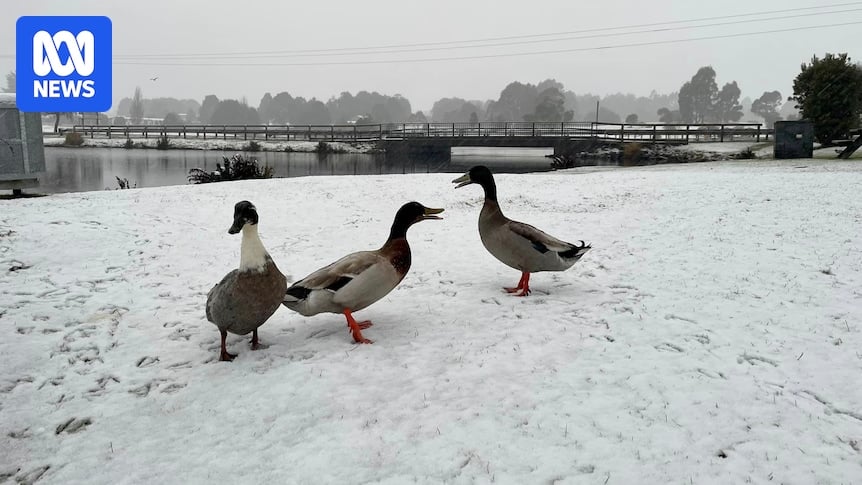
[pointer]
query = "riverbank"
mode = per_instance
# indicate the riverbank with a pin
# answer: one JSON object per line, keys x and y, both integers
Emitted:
{"x": 236, "y": 145}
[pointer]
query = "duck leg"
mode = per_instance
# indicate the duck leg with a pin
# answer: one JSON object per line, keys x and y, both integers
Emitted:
{"x": 255, "y": 342}
{"x": 225, "y": 356}
{"x": 356, "y": 327}
{"x": 523, "y": 285}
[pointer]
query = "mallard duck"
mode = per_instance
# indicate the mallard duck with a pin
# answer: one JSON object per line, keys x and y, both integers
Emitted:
{"x": 518, "y": 245}
{"x": 244, "y": 299}
{"x": 359, "y": 279}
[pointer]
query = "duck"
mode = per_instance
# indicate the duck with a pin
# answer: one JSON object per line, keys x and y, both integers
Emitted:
{"x": 516, "y": 244}
{"x": 359, "y": 279}
{"x": 247, "y": 296}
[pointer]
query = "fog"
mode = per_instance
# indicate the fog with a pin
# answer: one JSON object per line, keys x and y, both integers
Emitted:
{"x": 189, "y": 49}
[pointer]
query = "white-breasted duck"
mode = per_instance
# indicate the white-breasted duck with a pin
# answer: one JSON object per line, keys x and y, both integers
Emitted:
{"x": 359, "y": 279}
{"x": 247, "y": 296}
{"x": 518, "y": 245}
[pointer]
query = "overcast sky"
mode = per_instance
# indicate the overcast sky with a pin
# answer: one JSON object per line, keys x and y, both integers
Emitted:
{"x": 233, "y": 32}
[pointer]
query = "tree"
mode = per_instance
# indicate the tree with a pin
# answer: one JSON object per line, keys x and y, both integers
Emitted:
{"x": 137, "y": 108}
{"x": 11, "y": 80}
{"x": 767, "y": 106}
{"x": 208, "y": 107}
{"x": 418, "y": 117}
{"x": 172, "y": 119}
{"x": 232, "y": 112}
{"x": 632, "y": 119}
{"x": 605, "y": 116}
{"x": 696, "y": 96}
{"x": 828, "y": 92}
{"x": 263, "y": 109}
{"x": 726, "y": 108}
{"x": 474, "y": 118}
{"x": 550, "y": 107}
{"x": 516, "y": 100}
{"x": 666, "y": 115}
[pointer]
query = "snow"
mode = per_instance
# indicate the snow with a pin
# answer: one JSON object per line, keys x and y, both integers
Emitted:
{"x": 712, "y": 335}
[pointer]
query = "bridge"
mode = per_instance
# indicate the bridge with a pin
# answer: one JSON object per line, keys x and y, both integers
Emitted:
{"x": 415, "y": 138}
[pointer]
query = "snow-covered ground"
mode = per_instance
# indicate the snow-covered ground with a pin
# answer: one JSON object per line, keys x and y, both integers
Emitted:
{"x": 713, "y": 334}
{"x": 236, "y": 144}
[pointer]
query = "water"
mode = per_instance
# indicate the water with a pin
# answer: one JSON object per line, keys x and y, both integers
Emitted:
{"x": 85, "y": 169}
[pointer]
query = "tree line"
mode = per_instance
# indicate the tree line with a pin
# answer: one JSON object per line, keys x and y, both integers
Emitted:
{"x": 827, "y": 91}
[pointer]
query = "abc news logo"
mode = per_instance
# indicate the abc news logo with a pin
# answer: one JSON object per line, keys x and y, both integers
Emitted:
{"x": 46, "y": 59}
{"x": 63, "y": 64}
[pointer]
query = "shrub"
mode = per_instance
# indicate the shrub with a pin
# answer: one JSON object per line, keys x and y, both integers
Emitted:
{"x": 324, "y": 148}
{"x": 123, "y": 183}
{"x": 746, "y": 154}
{"x": 631, "y": 153}
{"x": 251, "y": 146}
{"x": 163, "y": 143}
{"x": 129, "y": 144}
{"x": 236, "y": 167}
{"x": 559, "y": 162}
{"x": 75, "y": 139}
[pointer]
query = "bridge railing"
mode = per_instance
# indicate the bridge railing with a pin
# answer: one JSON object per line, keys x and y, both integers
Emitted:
{"x": 644, "y": 132}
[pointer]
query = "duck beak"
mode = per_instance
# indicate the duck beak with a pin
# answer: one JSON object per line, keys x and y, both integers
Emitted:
{"x": 462, "y": 180}
{"x": 429, "y": 213}
{"x": 237, "y": 225}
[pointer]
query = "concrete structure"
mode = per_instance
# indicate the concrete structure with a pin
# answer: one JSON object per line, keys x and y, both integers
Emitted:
{"x": 22, "y": 156}
{"x": 794, "y": 139}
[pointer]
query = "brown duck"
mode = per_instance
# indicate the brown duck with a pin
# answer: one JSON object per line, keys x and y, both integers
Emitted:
{"x": 359, "y": 279}
{"x": 518, "y": 245}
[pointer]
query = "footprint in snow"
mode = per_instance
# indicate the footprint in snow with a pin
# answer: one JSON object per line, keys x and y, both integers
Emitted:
{"x": 73, "y": 425}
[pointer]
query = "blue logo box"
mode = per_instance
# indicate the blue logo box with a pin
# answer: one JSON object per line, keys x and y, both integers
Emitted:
{"x": 63, "y": 64}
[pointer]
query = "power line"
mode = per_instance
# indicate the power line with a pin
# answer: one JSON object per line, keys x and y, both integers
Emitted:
{"x": 489, "y": 56}
{"x": 493, "y": 39}
{"x": 499, "y": 44}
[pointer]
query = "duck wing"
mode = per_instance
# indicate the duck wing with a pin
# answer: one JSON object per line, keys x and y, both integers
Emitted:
{"x": 334, "y": 276}
{"x": 543, "y": 242}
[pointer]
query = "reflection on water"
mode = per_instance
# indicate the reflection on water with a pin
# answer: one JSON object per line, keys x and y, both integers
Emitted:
{"x": 85, "y": 169}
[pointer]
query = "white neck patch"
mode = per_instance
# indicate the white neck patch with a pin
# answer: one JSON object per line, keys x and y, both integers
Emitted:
{"x": 252, "y": 253}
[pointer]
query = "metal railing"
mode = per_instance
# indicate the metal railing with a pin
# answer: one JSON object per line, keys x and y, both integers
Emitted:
{"x": 648, "y": 133}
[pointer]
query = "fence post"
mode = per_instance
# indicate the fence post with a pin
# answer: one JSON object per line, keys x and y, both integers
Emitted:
{"x": 686, "y": 133}
{"x": 354, "y": 132}
{"x": 758, "y": 133}
{"x": 403, "y": 130}
{"x": 622, "y": 132}
{"x": 331, "y": 132}
{"x": 654, "y": 139}
{"x": 245, "y": 132}
{"x": 224, "y": 132}
{"x": 428, "y": 130}
{"x": 722, "y": 133}
{"x": 146, "y": 131}
{"x": 380, "y": 131}
{"x": 309, "y": 133}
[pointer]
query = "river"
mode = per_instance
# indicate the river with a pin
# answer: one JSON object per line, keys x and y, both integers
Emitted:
{"x": 86, "y": 169}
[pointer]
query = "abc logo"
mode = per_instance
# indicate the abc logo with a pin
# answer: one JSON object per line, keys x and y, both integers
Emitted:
{"x": 63, "y": 64}
{"x": 46, "y": 59}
